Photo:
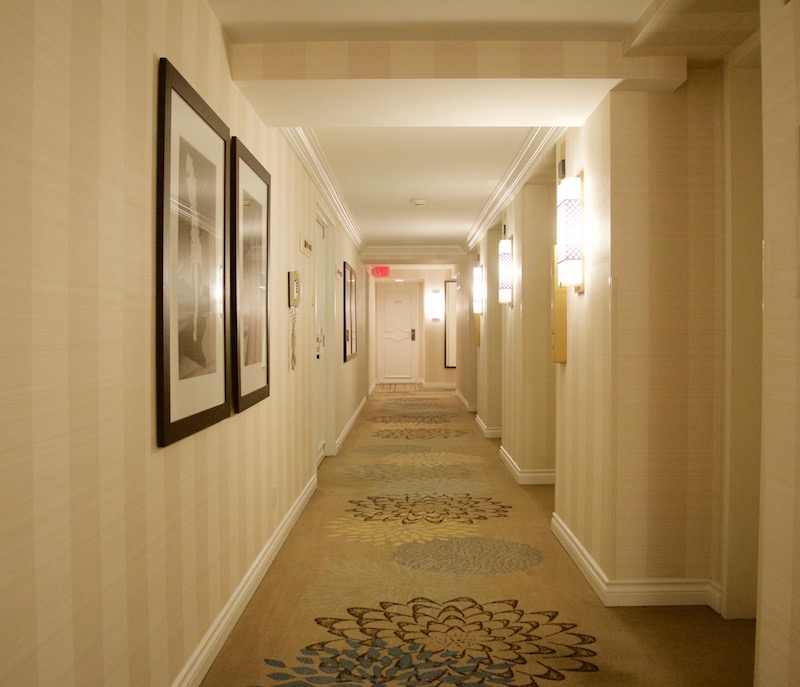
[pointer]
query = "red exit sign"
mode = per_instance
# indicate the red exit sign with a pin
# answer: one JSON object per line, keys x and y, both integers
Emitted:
{"x": 381, "y": 270}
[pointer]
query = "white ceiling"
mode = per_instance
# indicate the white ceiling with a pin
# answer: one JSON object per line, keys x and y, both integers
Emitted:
{"x": 448, "y": 141}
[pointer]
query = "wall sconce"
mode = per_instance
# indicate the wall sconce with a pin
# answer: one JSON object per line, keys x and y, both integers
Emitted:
{"x": 569, "y": 230}
{"x": 477, "y": 290}
{"x": 435, "y": 305}
{"x": 506, "y": 280}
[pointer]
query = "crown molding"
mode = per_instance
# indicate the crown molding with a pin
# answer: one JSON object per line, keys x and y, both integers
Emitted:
{"x": 535, "y": 145}
{"x": 304, "y": 143}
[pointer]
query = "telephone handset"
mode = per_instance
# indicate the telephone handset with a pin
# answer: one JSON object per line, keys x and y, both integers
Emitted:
{"x": 294, "y": 301}
{"x": 294, "y": 289}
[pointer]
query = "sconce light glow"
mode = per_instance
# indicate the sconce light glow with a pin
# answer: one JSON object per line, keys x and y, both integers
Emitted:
{"x": 477, "y": 290}
{"x": 506, "y": 280}
{"x": 435, "y": 305}
{"x": 569, "y": 230}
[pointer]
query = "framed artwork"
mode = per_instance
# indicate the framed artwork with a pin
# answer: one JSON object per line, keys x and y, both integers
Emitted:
{"x": 192, "y": 355}
{"x": 349, "y": 310}
{"x": 250, "y": 209}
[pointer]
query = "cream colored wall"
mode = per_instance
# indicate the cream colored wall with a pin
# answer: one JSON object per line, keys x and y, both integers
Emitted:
{"x": 118, "y": 555}
{"x": 585, "y": 465}
{"x": 778, "y": 626}
{"x": 668, "y": 300}
{"x": 528, "y": 389}
{"x": 640, "y": 398}
{"x": 742, "y": 446}
{"x": 436, "y": 374}
{"x": 467, "y": 348}
{"x": 489, "y": 408}
{"x": 372, "y": 319}
{"x": 351, "y": 383}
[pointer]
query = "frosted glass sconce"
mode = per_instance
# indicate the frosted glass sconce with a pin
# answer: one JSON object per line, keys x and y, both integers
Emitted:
{"x": 506, "y": 279}
{"x": 569, "y": 231}
{"x": 477, "y": 290}
{"x": 435, "y": 305}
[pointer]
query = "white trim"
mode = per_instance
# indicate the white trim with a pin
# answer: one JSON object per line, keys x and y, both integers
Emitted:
{"x": 539, "y": 142}
{"x": 349, "y": 425}
{"x": 642, "y": 592}
{"x": 471, "y": 407}
{"x": 320, "y": 454}
{"x": 526, "y": 476}
{"x": 439, "y": 385}
{"x": 488, "y": 432}
{"x": 303, "y": 141}
{"x": 206, "y": 651}
{"x": 372, "y": 388}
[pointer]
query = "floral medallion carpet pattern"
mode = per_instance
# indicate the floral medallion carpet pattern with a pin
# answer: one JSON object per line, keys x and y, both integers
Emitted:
{"x": 419, "y": 433}
{"x": 410, "y": 509}
{"x": 419, "y": 561}
{"x": 455, "y": 642}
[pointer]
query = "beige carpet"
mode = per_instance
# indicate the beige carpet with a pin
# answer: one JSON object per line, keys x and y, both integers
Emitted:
{"x": 419, "y": 561}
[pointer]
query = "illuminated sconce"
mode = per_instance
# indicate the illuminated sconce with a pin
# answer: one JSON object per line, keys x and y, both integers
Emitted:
{"x": 435, "y": 305}
{"x": 506, "y": 280}
{"x": 569, "y": 231}
{"x": 477, "y": 290}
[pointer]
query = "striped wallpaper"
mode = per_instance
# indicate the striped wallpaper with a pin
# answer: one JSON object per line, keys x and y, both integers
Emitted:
{"x": 585, "y": 467}
{"x": 778, "y": 626}
{"x": 489, "y": 371}
{"x": 118, "y": 556}
{"x": 466, "y": 366}
{"x": 639, "y": 399}
{"x": 528, "y": 375}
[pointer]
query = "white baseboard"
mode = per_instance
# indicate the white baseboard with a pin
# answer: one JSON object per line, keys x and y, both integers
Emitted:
{"x": 489, "y": 432}
{"x": 320, "y": 454}
{"x": 642, "y": 592}
{"x": 439, "y": 385}
{"x": 206, "y": 651}
{"x": 471, "y": 407}
{"x": 372, "y": 388}
{"x": 526, "y": 476}
{"x": 349, "y": 425}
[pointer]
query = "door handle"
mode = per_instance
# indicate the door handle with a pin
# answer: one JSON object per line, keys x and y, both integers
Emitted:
{"x": 413, "y": 334}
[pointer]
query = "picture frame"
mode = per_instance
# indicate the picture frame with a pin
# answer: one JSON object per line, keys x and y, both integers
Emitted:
{"x": 192, "y": 261}
{"x": 349, "y": 310}
{"x": 249, "y": 251}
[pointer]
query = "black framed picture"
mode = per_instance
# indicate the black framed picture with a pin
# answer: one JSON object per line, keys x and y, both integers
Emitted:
{"x": 192, "y": 353}
{"x": 250, "y": 186}
{"x": 349, "y": 310}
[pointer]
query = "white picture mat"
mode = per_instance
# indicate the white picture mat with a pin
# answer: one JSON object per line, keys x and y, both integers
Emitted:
{"x": 192, "y": 395}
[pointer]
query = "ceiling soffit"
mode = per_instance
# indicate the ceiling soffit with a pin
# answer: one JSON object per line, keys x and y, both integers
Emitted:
{"x": 669, "y": 35}
{"x": 702, "y": 31}
{"x": 345, "y": 60}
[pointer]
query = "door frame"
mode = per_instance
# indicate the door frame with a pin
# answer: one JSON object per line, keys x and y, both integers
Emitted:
{"x": 328, "y": 366}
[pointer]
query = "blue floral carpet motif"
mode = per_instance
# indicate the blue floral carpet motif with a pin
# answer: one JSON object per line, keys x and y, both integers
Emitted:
{"x": 424, "y": 642}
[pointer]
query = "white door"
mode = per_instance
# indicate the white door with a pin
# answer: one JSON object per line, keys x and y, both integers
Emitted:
{"x": 398, "y": 332}
{"x": 320, "y": 310}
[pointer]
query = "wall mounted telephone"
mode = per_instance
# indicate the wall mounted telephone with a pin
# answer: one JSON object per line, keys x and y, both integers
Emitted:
{"x": 294, "y": 301}
{"x": 294, "y": 289}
